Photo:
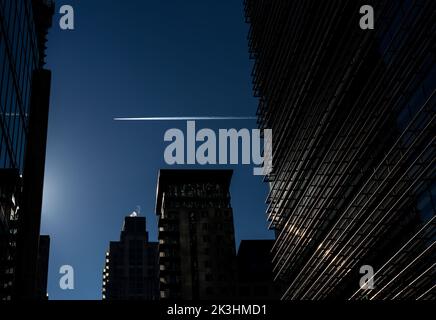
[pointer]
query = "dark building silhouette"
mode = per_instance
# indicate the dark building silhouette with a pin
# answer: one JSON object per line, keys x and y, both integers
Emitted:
{"x": 131, "y": 270}
{"x": 24, "y": 102}
{"x": 353, "y": 118}
{"x": 42, "y": 267}
{"x": 196, "y": 235}
{"x": 255, "y": 276}
{"x": 9, "y": 197}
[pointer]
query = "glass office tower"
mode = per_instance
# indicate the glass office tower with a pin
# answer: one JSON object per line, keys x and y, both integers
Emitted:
{"x": 19, "y": 56}
{"x": 353, "y": 119}
{"x": 24, "y": 86}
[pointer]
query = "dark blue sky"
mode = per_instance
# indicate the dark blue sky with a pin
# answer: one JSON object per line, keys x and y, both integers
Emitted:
{"x": 136, "y": 58}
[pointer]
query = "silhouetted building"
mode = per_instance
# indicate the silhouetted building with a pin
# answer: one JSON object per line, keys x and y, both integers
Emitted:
{"x": 131, "y": 270}
{"x": 10, "y": 190}
{"x": 196, "y": 234}
{"x": 255, "y": 276}
{"x": 353, "y": 118}
{"x": 24, "y": 102}
{"x": 42, "y": 268}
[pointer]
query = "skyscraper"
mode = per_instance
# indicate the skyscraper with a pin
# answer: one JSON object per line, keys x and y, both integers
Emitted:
{"x": 24, "y": 102}
{"x": 353, "y": 119}
{"x": 196, "y": 234}
{"x": 131, "y": 268}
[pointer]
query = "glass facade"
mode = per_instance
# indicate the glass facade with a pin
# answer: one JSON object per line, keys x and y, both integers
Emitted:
{"x": 19, "y": 56}
{"x": 23, "y": 30}
{"x": 353, "y": 119}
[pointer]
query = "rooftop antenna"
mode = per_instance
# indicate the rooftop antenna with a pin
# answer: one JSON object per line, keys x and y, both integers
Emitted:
{"x": 136, "y": 212}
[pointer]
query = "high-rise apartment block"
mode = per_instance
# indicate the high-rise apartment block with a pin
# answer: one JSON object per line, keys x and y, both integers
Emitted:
{"x": 196, "y": 235}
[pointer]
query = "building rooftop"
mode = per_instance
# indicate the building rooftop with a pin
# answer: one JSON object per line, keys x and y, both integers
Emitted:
{"x": 171, "y": 176}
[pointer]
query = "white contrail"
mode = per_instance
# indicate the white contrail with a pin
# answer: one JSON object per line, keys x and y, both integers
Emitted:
{"x": 183, "y": 118}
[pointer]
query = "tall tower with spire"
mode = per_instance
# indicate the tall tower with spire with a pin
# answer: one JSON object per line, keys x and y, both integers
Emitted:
{"x": 131, "y": 264}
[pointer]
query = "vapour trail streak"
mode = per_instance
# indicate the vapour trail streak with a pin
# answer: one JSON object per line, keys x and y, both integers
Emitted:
{"x": 183, "y": 118}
